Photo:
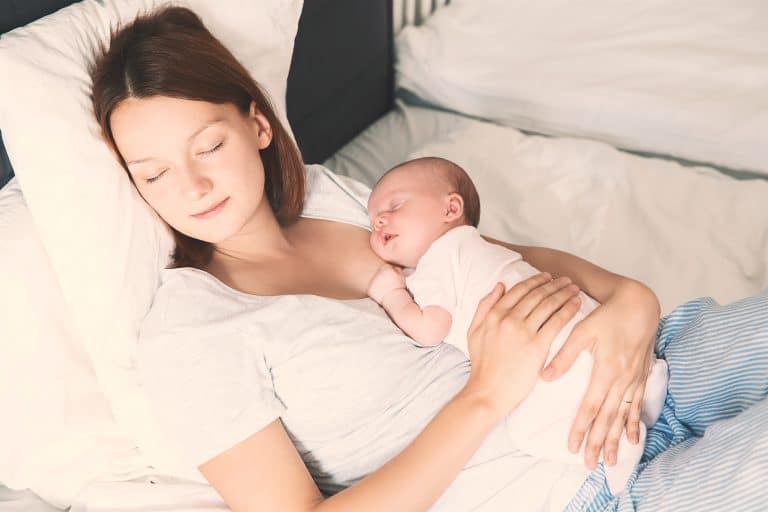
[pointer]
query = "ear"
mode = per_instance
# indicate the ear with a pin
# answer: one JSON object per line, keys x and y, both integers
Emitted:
{"x": 454, "y": 207}
{"x": 263, "y": 128}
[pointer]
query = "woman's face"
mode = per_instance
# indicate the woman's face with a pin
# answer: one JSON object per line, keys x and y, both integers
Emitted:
{"x": 196, "y": 163}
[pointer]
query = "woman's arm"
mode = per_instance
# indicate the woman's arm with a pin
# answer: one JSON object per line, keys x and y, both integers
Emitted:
{"x": 508, "y": 342}
{"x": 265, "y": 472}
{"x": 595, "y": 281}
{"x": 619, "y": 334}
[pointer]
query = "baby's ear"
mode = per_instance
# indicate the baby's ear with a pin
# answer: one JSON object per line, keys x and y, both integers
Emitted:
{"x": 454, "y": 207}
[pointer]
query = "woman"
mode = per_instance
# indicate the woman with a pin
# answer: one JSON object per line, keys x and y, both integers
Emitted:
{"x": 266, "y": 367}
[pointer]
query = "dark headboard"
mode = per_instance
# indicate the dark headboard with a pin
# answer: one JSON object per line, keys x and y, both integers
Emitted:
{"x": 341, "y": 77}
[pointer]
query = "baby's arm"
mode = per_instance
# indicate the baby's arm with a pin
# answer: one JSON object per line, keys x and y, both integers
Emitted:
{"x": 428, "y": 326}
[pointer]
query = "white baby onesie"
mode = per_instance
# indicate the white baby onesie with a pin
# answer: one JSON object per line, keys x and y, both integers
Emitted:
{"x": 455, "y": 273}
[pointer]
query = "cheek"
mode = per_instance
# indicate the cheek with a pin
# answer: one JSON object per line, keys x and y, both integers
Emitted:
{"x": 246, "y": 160}
{"x": 166, "y": 204}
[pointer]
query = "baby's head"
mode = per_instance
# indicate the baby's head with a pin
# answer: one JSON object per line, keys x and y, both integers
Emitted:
{"x": 415, "y": 203}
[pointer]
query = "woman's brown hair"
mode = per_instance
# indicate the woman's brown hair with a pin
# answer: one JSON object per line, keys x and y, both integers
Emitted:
{"x": 169, "y": 52}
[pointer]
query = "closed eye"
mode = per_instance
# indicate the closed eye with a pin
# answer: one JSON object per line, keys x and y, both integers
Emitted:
{"x": 156, "y": 177}
{"x": 213, "y": 149}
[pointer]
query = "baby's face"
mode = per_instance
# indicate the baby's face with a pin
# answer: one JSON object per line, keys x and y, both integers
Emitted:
{"x": 407, "y": 212}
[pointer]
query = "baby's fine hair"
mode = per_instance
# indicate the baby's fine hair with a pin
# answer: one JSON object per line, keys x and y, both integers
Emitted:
{"x": 457, "y": 178}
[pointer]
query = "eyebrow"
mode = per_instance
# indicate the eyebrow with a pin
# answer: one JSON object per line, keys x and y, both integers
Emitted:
{"x": 195, "y": 134}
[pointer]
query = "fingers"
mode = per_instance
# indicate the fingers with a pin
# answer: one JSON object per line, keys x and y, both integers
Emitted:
{"x": 633, "y": 419}
{"x": 611, "y": 447}
{"x": 516, "y": 293}
{"x": 533, "y": 295}
{"x": 549, "y": 305}
{"x": 485, "y": 305}
{"x": 600, "y": 426}
{"x": 565, "y": 357}
{"x": 565, "y": 306}
{"x": 590, "y": 405}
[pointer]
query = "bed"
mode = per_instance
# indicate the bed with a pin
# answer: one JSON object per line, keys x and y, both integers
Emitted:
{"x": 646, "y": 177}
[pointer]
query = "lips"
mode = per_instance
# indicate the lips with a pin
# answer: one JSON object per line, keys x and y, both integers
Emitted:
{"x": 213, "y": 210}
{"x": 387, "y": 237}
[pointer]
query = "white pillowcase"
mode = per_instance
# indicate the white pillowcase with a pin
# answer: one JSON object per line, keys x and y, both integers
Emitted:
{"x": 57, "y": 432}
{"x": 662, "y": 76}
{"x": 684, "y": 231}
{"x": 105, "y": 244}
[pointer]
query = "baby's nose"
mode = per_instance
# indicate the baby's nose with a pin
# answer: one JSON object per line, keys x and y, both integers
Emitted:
{"x": 379, "y": 222}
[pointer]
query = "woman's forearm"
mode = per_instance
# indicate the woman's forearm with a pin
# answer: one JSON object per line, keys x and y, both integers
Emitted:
{"x": 418, "y": 476}
{"x": 597, "y": 282}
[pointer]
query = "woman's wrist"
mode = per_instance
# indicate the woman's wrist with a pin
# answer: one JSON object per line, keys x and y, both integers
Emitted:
{"x": 481, "y": 404}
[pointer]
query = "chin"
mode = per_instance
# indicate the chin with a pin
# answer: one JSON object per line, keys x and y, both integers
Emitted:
{"x": 401, "y": 262}
{"x": 212, "y": 236}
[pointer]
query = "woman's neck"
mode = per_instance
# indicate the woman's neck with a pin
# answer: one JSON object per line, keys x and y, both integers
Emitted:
{"x": 261, "y": 238}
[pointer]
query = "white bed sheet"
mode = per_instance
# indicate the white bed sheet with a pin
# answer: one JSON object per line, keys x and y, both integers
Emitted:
{"x": 22, "y": 501}
{"x": 147, "y": 494}
{"x": 684, "y": 231}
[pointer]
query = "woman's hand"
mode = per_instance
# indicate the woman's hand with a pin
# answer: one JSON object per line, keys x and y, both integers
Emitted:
{"x": 510, "y": 336}
{"x": 619, "y": 334}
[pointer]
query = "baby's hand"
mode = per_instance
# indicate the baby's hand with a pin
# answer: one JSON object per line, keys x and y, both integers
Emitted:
{"x": 386, "y": 279}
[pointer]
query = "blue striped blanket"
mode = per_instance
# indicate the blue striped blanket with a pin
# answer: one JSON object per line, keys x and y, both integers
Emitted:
{"x": 709, "y": 449}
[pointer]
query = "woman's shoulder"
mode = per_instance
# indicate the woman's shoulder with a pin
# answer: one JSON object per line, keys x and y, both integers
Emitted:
{"x": 331, "y": 196}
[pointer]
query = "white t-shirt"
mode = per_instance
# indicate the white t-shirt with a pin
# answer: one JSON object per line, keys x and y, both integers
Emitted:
{"x": 352, "y": 390}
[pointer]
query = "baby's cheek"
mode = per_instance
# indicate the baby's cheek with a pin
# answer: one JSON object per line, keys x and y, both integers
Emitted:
{"x": 374, "y": 243}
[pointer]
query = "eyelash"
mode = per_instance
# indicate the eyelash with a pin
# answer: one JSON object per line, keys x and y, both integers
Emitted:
{"x": 207, "y": 152}
{"x": 155, "y": 178}
{"x": 213, "y": 149}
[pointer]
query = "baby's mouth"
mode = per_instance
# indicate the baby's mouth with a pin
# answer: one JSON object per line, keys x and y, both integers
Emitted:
{"x": 387, "y": 237}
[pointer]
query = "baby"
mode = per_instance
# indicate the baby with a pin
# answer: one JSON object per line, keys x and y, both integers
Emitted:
{"x": 424, "y": 215}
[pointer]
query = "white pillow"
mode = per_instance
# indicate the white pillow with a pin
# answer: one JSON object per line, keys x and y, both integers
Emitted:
{"x": 105, "y": 244}
{"x": 57, "y": 432}
{"x": 662, "y": 76}
{"x": 684, "y": 231}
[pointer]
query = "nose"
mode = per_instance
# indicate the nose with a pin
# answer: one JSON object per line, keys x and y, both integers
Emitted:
{"x": 379, "y": 221}
{"x": 195, "y": 184}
